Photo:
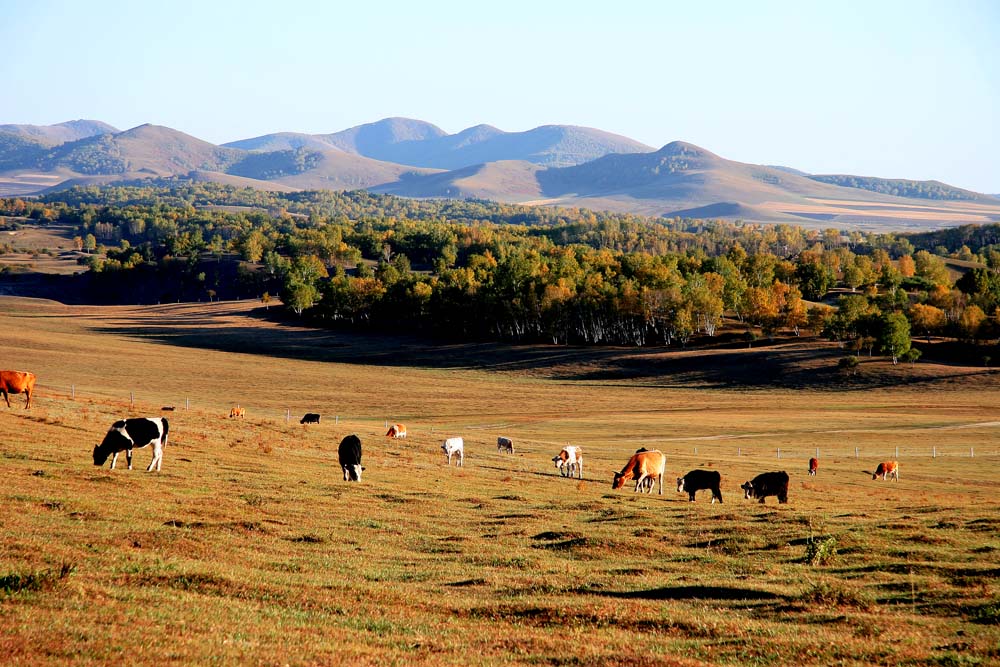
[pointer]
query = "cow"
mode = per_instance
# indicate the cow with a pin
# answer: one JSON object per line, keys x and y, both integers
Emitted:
{"x": 237, "y": 411}
{"x": 454, "y": 446}
{"x": 505, "y": 445}
{"x": 696, "y": 480}
{"x": 887, "y": 469}
{"x": 134, "y": 433}
{"x": 767, "y": 484}
{"x": 641, "y": 466}
{"x": 396, "y": 431}
{"x": 309, "y": 418}
{"x": 17, "y": 382}
{"x": 569, "y": 461}
{"x": 813, "y": 465}
{"x": 349, "y": 454}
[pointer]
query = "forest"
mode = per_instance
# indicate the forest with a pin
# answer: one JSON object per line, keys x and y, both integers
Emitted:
{"x": 478, "y": 270}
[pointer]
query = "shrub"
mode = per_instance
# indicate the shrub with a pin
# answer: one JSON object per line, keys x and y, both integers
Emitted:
{"x": 820, "y": 551}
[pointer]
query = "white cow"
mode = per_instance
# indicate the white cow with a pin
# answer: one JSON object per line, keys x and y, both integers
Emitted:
{"x": 454, "y": 446}
{"x": 570, "y": 461}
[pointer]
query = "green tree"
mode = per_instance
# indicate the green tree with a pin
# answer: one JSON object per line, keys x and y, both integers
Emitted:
{"x": 894, "y": 335}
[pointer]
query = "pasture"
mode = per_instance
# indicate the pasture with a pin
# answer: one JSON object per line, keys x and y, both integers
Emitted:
{"x": 247, "y": 548}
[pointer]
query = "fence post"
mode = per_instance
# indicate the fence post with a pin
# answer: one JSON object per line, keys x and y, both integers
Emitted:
{"x": 131, "y": 400}
{"x": 696, "y": 451}
{"x": 386, "y": 424}
{"x": 897, "y": 452}
{"x": 187, "y": 403}
{"x": 739, "y": 451}
{"x": 779, "y": 452}
{"x": 972, "y": 454}
{"x": 817, "y": 452}
{"x": 857, "y": 454}
{"x": 336, "y": 419}
{"x": 72, "y": 391}
{"x": 288, "y": 415}
{"x": 934, "y": 452}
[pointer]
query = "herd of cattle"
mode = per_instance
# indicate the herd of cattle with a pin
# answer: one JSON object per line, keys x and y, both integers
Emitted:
{"x": 645, "y": 467}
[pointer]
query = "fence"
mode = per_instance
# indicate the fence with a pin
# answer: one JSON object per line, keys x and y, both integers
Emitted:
{"x": 718, "y": 449}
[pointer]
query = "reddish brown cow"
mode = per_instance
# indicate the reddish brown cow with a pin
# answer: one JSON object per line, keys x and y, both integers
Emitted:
{"x": 17, "y": 382}
{"x": 641, "y": 466}
{"x": 887, "y": 469}
{"x": 396, "y": 431}
{"x": 813, "y": 466}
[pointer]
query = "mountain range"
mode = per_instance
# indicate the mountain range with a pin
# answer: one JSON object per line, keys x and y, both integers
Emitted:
{"x": 549, "y": 165}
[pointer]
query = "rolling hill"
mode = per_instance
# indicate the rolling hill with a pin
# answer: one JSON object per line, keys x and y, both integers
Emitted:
{"x": 548, "y": 165}
{"x": 421, "y": 144}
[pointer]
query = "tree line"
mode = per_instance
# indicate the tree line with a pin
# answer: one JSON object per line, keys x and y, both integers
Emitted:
{"x": 476, "y": 270}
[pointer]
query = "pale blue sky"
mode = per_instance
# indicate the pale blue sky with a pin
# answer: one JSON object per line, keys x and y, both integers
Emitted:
{"x": 895, "y": 89}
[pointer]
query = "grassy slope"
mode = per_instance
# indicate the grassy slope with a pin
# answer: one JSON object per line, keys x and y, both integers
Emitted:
{"x": 249, "y": 548}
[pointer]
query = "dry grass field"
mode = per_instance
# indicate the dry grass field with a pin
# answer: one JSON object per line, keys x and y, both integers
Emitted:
{"x": 249, "y": 549}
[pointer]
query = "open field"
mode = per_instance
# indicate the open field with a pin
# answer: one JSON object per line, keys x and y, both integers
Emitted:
{"x": 249, "y": 549}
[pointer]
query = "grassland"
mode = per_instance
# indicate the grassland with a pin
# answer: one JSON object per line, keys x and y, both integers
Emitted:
{"x": 249, "y": 549}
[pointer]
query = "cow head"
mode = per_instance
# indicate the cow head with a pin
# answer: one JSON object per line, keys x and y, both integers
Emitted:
{"x": 680, "y": 484}
{"x": 747, "y": 489}
{"x": 619, "y": 481}
{"x": 100, "y": 455}
{"x": 352, "y": 473}
{"x": 560, "y": 459}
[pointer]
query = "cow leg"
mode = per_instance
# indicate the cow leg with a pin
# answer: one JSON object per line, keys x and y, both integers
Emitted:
{"x": 579, "y": 466}
{"x": 783, "y": 499}
{"x": 638, "y": 483}
{"x": 157, "y": 456}
{"x": 761, "y": 500}
{"x": 27, "y": 400}
{"x": 660, "y": 492}
{"x": 690, "y": 496}
{"x": 128, "y": 457}
{"x": 114, "y": 460}
{"x": 461, "y": 459}
{"x": 345, "y": 472}
{"x": 6, "y": 398}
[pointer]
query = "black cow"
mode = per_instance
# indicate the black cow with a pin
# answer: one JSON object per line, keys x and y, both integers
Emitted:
{"x": 128, "y": 434}
{"x": 349, "y": 454}
{"x": 696, "y": 480}
{"x": 309, "y": 418}
{"x": 767, "y": 484}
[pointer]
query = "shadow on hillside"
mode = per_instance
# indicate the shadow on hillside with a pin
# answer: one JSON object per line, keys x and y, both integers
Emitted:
{"x": 691, "y": 593}
{"x": 800, "y": 363}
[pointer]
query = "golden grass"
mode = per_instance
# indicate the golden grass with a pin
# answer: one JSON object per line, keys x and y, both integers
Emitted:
{"x": 249, "y": 549}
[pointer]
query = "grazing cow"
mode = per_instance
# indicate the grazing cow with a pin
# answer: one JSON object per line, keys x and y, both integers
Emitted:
{"x": 454, "y": 446}
{"x": 887, "y": 469}
{"x": 396, "y": 431}
{"x": 309, "y": 418}
{"x": 813, "y": 465}
{"x": 767, "y": 484}
{"x": 237, "y": 411}
{"x": 17, "y": 382}
{"x": 135, "y": 433}
{"x": 569, "y": 461}
{"x": 641, "y": 466}
{"x": 349, "y": 454}
{"x": 696, "y": 480}
{"x": 505, "y": 445}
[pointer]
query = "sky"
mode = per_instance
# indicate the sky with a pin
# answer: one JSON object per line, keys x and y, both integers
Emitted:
{"x": 893, "y": 89}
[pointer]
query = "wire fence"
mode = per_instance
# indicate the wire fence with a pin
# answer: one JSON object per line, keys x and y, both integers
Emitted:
{"x": 724, "y": 447}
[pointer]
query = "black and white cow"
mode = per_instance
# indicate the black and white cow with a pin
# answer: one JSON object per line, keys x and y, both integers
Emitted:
{"x": 350, "y": 458}
{"x": 309, "y": 418}
{"x": 696, "y": 480}
{"x": 136, "y": 433}
{"x": 767, "y": 484}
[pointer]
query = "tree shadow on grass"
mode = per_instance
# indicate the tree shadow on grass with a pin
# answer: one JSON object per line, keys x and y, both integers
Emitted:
{"x": 691, "y": 593}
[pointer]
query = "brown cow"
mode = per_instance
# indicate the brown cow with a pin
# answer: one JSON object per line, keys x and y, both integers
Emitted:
{"x": 887, "y": 469}
{"x": 813, "y": 466}
{"x": 396, "y": 431}
{"x": 17, "y": 382}
{"x": 642, "y": 466}
{"x": 237, "y": 412}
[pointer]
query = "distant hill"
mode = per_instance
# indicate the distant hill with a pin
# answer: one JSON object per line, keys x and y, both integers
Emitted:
{"x": 902, "y": 188}
{"x": 421, "y": 144}
{"x": 282, "y": 141}
{"x": 53, "y": 135}
{"x": 549, "y": 165}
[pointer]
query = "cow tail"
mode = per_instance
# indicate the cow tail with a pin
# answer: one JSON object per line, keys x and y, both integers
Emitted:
{"x": 166, "y": 429}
